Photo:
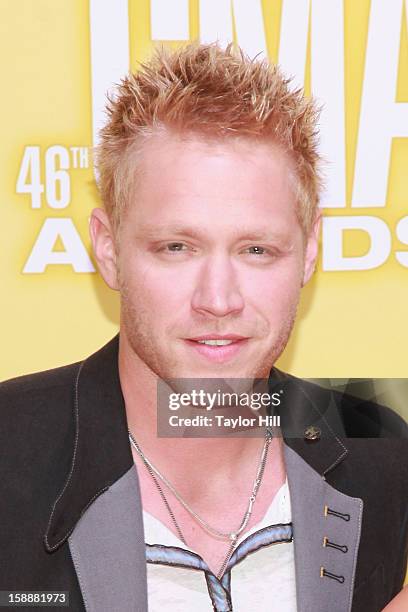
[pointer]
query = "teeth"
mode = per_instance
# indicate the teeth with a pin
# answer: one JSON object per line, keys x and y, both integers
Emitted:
{"x": 216, "y": 342}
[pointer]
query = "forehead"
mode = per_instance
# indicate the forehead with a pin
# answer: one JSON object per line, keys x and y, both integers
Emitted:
{"x": 175, "y": 177}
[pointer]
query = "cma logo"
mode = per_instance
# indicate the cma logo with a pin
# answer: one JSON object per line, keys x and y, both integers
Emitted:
{"x": 381, "y": 117}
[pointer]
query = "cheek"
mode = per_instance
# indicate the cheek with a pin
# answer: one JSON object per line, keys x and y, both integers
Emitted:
{"x": 276, "y": 289}
{"x": 160, "y": 290}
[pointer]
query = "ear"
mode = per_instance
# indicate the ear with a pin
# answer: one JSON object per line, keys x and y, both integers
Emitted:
{"x": 312, "y": 249}
{"x": 103, "y": 244}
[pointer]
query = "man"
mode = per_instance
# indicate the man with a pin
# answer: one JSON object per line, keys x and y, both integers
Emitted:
{"x": 209, "y": 177}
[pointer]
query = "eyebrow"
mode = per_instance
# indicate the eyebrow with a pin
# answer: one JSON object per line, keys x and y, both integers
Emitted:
{"x": 153, "y": 231}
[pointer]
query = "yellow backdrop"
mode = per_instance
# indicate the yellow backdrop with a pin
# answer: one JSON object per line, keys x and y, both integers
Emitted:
{"x": 57, "y": 60}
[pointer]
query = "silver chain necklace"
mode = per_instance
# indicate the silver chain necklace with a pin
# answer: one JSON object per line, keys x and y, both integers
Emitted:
{"x": 232, "y": 536}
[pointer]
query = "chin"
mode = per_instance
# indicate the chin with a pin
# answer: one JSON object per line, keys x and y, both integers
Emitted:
{"x": 231, "y": 371}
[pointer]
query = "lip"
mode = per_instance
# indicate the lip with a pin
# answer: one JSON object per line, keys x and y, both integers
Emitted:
{"x": 218, "y": 337}
{"x": 217, "y": 354}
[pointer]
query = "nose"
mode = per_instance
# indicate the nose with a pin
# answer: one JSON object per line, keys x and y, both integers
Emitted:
{"x": 216, "y": 291}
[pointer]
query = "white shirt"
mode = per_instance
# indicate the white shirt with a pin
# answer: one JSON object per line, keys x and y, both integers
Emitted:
{"x": 260, "y": 575}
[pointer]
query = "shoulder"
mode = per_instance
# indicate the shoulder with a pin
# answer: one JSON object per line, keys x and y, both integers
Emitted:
{"x": 33, "y": 390}
{"x": 36, "y": 410}
{"x": 375, "y": 436}
{"x": 39, "y": 380}
{"x": 361, "y": 415}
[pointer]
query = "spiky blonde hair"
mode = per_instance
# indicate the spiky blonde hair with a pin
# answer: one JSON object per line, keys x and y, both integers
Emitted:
{"x": 210, "y": 92}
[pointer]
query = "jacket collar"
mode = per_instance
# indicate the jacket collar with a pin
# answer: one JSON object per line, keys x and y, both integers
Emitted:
{"x": 102, "y": 454}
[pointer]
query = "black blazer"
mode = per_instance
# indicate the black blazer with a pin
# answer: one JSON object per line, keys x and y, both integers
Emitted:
{"x": 50, "y": 474}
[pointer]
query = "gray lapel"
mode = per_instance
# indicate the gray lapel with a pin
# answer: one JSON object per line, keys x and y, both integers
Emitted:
{"x": 310, "y": 493}
{"x": 108, "y": 550}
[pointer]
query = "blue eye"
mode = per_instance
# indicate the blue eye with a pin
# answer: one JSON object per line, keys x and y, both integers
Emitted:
{"x": 257, "y": 250}
{"x": 175, "y": 247}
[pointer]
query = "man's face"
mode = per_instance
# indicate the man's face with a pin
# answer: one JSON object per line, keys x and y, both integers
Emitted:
{"x": 210, "y": 248}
